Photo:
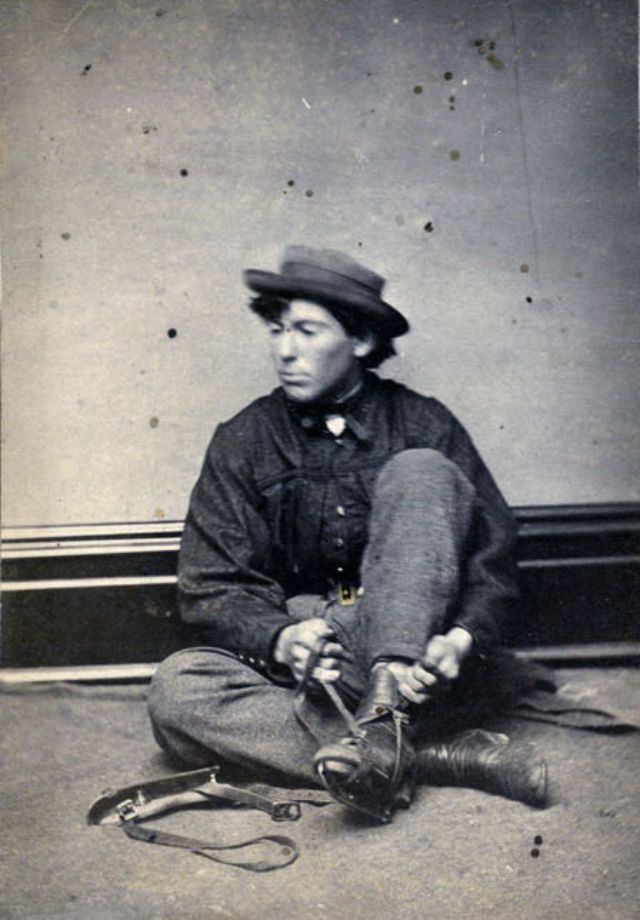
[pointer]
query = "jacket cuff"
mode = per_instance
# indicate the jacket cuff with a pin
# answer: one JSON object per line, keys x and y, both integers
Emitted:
{"x": 483, "y": 634}
{"x": 274, "y": 670}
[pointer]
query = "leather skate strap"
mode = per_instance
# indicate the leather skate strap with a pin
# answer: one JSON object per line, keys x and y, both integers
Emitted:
{"x": 129, "y": 806}
{"x": 278, "y": 851}
{"x": 300, "y": 698}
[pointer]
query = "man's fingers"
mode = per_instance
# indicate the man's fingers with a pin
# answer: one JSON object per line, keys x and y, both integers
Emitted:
{"x": 329, "y": 650}
{"x": 307, "y": 636}
{"x": 312, "y": 631}
{"x": 326, "y": 675}
{"x": 316, "y": 628}
{"x": 326, "y": 669}
{"x": 420, "y": 678}
{"x": 443, "y": 656}
{"x": 438, "y": 647}
{"x": 299, "y": 651}
{"x": 409, "y": 692}
{"x": 449, "y": 668}
{"x": 424, "y": 679}
{"x": 446, "y": 668}
{"x": 333, "y": 650}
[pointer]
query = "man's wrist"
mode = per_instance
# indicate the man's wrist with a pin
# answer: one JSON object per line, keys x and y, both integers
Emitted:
{"x": 279, "y": 647}
{"x": 277, "y": 668}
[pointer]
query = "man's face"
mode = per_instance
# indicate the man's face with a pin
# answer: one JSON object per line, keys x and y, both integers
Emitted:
{"x": 312, "y": 353}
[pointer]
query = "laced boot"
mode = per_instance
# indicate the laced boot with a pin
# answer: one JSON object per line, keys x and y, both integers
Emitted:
{"x": 372, "y": 769}
{"x": 487, "y": 761}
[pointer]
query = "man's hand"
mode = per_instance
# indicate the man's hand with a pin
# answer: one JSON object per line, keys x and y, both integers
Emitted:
{"x": 294, "y": 646}
{"x": 439, "y": 665}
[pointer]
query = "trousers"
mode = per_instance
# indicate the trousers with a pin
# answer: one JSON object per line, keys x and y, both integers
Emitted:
{"x": 206, "y": 705}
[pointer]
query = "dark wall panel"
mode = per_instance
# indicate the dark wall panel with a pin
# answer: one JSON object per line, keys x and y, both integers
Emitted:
{"x": 96, "y": 599}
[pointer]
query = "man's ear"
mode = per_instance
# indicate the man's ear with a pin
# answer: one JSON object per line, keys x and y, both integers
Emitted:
{"x": 364, "y": 344}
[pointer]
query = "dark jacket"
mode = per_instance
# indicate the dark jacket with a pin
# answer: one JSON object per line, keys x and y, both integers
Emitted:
{"x": 281, "y": 508}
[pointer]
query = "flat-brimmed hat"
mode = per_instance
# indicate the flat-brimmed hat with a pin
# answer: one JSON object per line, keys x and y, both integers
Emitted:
{"x": 330, "y": 278}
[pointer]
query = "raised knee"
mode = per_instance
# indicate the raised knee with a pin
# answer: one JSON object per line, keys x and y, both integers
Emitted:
{"x": 416, "y": 463}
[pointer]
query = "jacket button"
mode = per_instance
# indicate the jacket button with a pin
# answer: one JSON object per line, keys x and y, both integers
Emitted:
{"x": 341, "y": 511}
{"x": 338, "y": 542}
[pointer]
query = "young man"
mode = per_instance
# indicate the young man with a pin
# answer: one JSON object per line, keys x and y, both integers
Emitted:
{"x": 344, "y": 538}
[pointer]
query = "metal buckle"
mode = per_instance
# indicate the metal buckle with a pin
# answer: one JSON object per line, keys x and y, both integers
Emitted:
{"x": 127, "y": 810}
{"x": 346, "y": 595}
{"x": 286, "y": 811}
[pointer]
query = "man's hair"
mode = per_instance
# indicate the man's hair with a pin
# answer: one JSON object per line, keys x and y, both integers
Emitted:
{"x": 272, "y": 308}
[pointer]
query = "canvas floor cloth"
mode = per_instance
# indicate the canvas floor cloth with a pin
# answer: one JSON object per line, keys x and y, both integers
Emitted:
{"x": 460, "y": 852}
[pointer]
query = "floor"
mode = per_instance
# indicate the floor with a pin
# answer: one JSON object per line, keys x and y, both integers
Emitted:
{"x": 455, "y": 854}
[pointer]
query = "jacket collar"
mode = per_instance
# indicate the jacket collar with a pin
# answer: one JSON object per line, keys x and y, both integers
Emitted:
{"x": 354, "y": 409}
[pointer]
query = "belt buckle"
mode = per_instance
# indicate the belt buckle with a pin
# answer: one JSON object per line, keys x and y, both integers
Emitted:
{"x": 346, "y": 595}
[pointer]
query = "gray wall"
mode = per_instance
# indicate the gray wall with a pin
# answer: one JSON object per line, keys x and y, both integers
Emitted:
{"x": 327, "y": 122}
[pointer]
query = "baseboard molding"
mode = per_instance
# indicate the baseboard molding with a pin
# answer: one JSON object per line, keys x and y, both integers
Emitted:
{"x": 88, "y": 673}
{"x": 105, "y": 594}
{"x": 617, "y": 653}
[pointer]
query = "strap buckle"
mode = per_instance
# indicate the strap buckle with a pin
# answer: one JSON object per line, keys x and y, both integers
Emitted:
{"x": 127, "y": 810}
{"x": 286, "y": 811}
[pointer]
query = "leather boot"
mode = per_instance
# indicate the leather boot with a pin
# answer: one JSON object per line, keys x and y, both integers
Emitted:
{"x": 372, "y": 769}
{"x": 487, "y": 761}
